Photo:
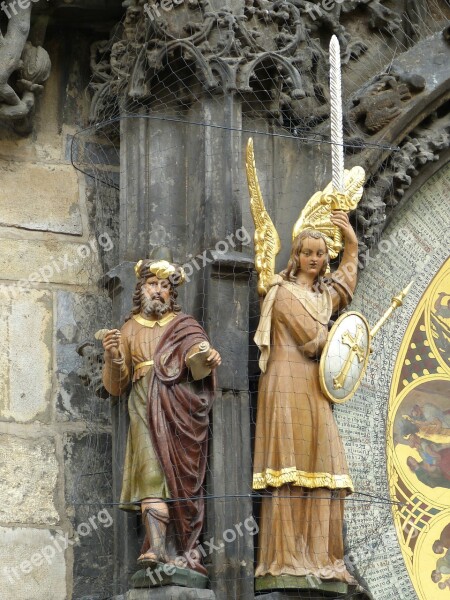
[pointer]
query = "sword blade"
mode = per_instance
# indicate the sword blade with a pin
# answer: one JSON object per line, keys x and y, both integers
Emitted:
{"x": 337, "y": 137}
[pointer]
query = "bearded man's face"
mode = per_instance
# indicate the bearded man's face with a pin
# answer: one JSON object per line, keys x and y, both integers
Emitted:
{"x": 155, "y": 297}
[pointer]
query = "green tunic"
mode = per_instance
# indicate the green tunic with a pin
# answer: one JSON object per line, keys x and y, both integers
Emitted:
{"x": 142, "y": 476}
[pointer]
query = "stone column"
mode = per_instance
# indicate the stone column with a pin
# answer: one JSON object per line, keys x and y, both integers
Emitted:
{"x": 162, "y": 194}
{"x": 183, "y": 186}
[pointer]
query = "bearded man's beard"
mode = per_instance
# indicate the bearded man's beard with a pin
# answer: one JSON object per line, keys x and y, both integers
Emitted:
{"x": 154, "y": 308}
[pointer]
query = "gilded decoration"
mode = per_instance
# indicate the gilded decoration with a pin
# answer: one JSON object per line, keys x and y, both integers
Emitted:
{"x": 419, "y": 442}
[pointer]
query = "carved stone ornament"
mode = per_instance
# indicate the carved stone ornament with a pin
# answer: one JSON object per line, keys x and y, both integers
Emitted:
{"x": 271, "y": 52}
{"x": 382, "y": 100}
{"x": 23, "y": 70}
{"x": 422, "y": 146}
{"x": 90, "y": 372}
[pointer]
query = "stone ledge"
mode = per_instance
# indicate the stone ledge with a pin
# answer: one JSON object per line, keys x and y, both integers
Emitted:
{"x": 25, "y": 262}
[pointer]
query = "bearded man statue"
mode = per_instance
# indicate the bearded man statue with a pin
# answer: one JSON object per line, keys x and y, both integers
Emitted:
{"x": 163, "y": 358}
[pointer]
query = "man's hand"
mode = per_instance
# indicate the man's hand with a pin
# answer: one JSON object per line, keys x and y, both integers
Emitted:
{"x": 111, "y": 344}
{"x": 340, "y": 219}
{"x": 214, "y": 359}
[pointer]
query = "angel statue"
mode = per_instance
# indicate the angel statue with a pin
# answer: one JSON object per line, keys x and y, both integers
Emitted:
{"x": 299, "y": 456}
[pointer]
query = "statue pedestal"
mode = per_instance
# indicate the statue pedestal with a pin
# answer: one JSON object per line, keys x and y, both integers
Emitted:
{"x": 170, "y": 592}
{"x": 168, "y": 582}
{"x": 285, "y": 587}
{"x": 312, "y": 595}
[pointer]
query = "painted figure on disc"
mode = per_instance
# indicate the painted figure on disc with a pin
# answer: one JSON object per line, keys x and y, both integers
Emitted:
{"x": 163, "y": 358}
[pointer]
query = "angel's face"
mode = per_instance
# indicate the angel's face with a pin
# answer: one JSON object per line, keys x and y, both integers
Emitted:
{"x": 313, "y": 256}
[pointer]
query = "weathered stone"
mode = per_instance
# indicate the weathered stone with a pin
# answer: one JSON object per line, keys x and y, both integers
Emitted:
{"x": 170, "y": 592}
{"x": 23, "y": 68}
{"x": 26, "y": 356}
{"x": 425, "y": 145}
{"x": 78, "y": 317}
{"x": 87, "y": 471}
{"x": 32, "y": 566}
{"x": 31, "y": 261}
{"x": 29, "y": 474}
{"x": 32, "y": 205}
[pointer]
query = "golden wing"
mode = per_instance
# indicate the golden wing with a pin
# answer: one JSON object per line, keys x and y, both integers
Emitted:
{"x": 316, "y": 214}
{"x": 266, "y": 239}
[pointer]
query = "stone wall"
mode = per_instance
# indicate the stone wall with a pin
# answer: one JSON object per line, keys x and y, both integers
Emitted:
{"x": 55, "y": 456}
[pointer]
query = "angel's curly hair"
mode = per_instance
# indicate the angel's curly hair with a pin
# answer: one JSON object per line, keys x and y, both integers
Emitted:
{"x": 293, "y": 265}
{"x": 144, "y": 274}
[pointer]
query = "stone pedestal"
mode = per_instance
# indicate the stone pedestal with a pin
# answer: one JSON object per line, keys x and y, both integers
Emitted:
{"x": 285, "y": 587}
{"x": 170, "y": 592}
{"x": 295, "y": 584}
{"x": 311, "y": 595}
{"x": 168, "y": 575}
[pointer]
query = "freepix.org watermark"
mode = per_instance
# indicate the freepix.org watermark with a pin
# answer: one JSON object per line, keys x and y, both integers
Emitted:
{"x": 198, "y": 262}
{"x": 153, "y": 10}
{"x": 315, "y": 11}
{"x": 60, "y": 543}
{"x": 13, "y": 7}
{"x": 208, "y": 547}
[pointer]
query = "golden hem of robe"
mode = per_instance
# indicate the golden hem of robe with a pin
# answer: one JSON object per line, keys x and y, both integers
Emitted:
{"x": 271, "y": 478}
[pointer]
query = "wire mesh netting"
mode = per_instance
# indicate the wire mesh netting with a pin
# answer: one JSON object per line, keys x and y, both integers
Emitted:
{"x": 168, "y": 135}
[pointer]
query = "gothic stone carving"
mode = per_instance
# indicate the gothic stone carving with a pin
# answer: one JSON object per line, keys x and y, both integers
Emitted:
{"x": 272, "y": 54}
{"x": 423, "y": 145}
{"x": 28, "y": 65}
{"x": 382, "y": 100}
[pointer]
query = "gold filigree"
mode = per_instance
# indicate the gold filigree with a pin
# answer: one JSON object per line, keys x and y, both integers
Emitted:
{"x": 317, "y": 212}
{"x": 420, "y": 504}
{"x": 266, "y": 239}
